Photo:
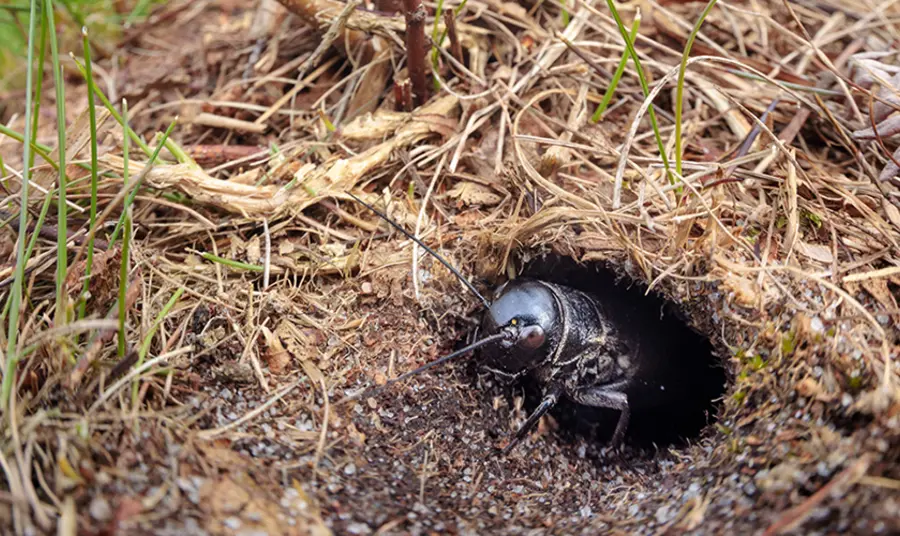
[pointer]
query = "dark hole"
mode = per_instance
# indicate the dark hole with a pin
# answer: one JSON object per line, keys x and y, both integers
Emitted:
{"x": 682, "y": 378}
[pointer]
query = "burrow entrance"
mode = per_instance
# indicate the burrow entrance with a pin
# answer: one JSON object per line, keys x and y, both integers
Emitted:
{"x": 683, "y": 362}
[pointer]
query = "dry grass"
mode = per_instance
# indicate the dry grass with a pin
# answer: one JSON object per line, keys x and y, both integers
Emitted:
{"x": 780, "y": 240}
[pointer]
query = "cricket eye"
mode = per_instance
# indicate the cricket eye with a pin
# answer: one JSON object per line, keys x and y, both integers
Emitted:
{"x": 531, "y": 337}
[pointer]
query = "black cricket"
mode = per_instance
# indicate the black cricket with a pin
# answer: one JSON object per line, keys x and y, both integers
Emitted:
{"x": 560, "y": 337}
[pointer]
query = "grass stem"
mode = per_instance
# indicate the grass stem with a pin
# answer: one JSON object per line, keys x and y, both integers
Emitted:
{"x": 9, "y": 372}
{"x": 92, "y": 114}
{"x": 651, "y": 112}
{"x": 679, "y": 87}
{"x": 126, "y": 239}
{"x": 133, "y": 189}
{"x": 148, "y": 339}
{"x": 62, "y": 253}
{"x": 617, "y": 76}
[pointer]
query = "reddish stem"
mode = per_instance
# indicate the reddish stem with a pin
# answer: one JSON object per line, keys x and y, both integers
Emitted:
{"x": 416, "y": 49}
{"x": 403, "y": 96}
{"x": 455, "y": 46}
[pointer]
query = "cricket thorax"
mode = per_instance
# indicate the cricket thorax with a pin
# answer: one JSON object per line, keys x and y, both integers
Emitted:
{"x": 592, "y": 352}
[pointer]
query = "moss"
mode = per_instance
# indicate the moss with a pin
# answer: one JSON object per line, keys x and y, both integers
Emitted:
{"x": 813, "y": 219}
{"x": 789, "y": 343}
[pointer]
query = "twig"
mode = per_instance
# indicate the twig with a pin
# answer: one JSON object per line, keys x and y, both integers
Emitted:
{"x": 455, "y": 45}
{"x": 228, "y": 123}
{"x": 837, "y": 487}
{"x": 268, "y": 259}
{"x": 416, "y": 49}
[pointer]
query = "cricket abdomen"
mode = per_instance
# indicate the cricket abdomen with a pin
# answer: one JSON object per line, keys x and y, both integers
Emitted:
{"x": 592, "y": 350}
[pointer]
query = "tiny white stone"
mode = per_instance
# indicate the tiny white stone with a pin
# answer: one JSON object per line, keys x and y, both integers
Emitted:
{"x": 358, "y": 528}
{"x": 816, "y": 325}
{"x": 100, "y": 509}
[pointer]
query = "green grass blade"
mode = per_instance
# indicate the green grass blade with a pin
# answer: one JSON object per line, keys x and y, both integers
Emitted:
{"x": 617, "y": 76}
{"x": 234, "y": 264}
{"x": 41, "y": 150}
{"x": 126, "y": 238}
{"x": 437, "y": 40}
{"x": 679, "y": 87}
{"x": 15, "y": 8}
{"x": 62, "y": 253}
{"x": 456, "y": 11}
{"x": 45, "y": 209}
{"x": 9, "y": 372}
{"x": 140, "y": 10}
{"x": 148, "y": 339}
{"x": 167, "y": 308}
{"x": 92, "y": 114}
{"x": 39, "y": 84}
{"x": 438, "y": 12}
{"x": 644, "y": 86}
{"x": 129, "y": 200}
{"x": 116, "y": 115}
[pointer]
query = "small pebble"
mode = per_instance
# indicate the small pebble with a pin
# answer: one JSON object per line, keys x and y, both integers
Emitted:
{"x": 663, "y": 515}
{"x": 100, "y": 509}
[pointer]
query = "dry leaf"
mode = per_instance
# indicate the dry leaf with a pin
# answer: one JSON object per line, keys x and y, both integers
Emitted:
{"x": 104, "y": 273}
{"x": 472, "y": 193}
{"x": 314, "y": 373}
{"x": 743, "y": 289}
{"x": 276, "y": 356}
{"x": 892, "y": 213}
{"x": 254, "y": 250}
{"x": 879, "y": 290}
{"x": 810, "y": 388}
{"x": 816, "y": 252}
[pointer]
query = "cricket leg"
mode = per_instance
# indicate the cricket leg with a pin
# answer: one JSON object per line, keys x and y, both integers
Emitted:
{"x": 607, "y": 396}
{"x": 550, "y": 399}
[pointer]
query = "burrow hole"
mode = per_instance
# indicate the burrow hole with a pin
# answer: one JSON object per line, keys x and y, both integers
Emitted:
{"x": 682, "y": 361}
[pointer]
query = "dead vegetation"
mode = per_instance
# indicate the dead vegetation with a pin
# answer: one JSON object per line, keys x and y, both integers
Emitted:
{"x": 282, "y": 297}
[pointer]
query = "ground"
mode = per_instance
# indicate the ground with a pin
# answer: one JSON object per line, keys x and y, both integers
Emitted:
{"x": 281, "y": 299}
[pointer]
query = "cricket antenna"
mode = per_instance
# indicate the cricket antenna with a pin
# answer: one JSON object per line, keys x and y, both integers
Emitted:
{"x": 433, "y": 253}
{"x": 462, "y": 351}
